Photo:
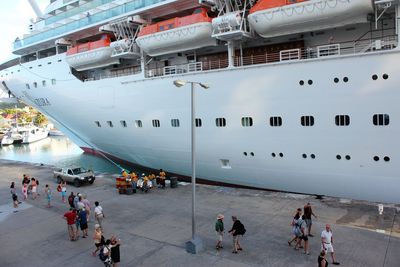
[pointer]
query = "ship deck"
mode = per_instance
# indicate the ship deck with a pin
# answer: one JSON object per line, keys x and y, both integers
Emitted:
{"x": 153, "y": 227}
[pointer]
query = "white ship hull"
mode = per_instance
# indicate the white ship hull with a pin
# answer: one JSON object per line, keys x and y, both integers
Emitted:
{"x": 257, "y": 91}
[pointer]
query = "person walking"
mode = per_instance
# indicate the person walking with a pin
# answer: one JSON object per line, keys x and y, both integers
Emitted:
{"x": 294, "y": 225}
{"x": 99, "y": 214}
{"x": 237, "y": 231}
{"x": 86, "y": 202}
{"x": 34, "y": 188}
{"x": 83, "y": 222}
{"x": 71, "y": 198}
{"x": 327, "y": 242}
{"x": 308, "y": 213}
{"x": 63, "y": 191}
{"x": 302, "y": 235}
{"x": 25, "y": 190}
{"x": 47, "y": 191}
{"x": 98, "y": 239}
{"x": 322, "y": 262}
{"x": 219, "y": 228}
{"x": 70, "y": 217}
{"x": 12, "y": 188}
{"x": 115, "y": 255}
{"x": 14, "y": 196}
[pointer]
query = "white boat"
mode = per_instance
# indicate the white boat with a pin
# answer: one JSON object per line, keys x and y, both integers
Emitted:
{"x": 7, "y": 140}
{"x": 310, "y": 109}
{"x": 33, "y": 134}
{"x": 55, "y": 132}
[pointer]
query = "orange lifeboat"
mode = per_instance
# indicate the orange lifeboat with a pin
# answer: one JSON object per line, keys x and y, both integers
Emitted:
{"x": 271, "y": 18}
{"x": 91, "y": 55}
{"x": 177, "y": 34}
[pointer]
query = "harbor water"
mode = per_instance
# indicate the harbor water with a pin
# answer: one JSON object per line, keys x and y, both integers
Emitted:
{"x": 58, "y": 151}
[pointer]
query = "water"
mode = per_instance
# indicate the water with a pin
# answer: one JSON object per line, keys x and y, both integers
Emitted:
{"x": 58, "y": 151}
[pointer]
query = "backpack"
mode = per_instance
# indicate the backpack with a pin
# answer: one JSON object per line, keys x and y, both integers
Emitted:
{"x": 241, "y": 229}
{"x": 59, "y": 188}
{"x": 102, "y": 256}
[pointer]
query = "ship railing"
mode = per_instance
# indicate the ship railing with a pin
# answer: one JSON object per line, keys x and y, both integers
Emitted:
{"x": 173, "y": 70}
{"x": 113, "y": 73}
{"x": 291, "y": 54}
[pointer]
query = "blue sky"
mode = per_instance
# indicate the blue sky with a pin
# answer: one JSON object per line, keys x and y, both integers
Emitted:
{"x": 14, "y": 21}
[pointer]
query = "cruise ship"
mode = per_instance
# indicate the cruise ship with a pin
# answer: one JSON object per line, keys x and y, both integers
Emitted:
{"x": 302, "y": 94}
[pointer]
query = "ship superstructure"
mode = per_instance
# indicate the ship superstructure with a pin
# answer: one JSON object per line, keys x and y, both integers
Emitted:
{"x": 302, "y": 93}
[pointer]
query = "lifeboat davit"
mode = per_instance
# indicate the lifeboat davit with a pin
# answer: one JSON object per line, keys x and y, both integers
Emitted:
{"x": 91, "y": 55}
{"x": 271, "y": 18}
{"x": 177, "y": 34}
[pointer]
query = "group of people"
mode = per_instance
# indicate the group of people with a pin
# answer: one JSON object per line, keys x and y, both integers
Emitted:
{"x": 145, "y": 182}
{"x": 237, "y": 231}
{"x": 30, "y": 187}
{"x": 301, "y": 230}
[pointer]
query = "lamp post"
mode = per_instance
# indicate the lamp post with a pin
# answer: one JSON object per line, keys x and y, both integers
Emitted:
{"x": 195, "y": 244}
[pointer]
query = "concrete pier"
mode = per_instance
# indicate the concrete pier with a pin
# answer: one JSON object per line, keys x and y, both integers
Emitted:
{"x": 154, "y": 227}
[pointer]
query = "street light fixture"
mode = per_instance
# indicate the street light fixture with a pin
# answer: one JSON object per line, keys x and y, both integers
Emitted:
{"x": 195, "y": 244}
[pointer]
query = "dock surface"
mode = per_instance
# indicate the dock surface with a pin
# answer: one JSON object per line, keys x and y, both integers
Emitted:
{"x": 154, "y": 227}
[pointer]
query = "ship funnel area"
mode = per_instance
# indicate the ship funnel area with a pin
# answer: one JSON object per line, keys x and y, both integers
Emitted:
{"x": 36, "y": 8}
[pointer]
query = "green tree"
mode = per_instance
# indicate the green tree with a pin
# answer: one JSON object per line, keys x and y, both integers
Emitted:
{"x": 40, "y": 119}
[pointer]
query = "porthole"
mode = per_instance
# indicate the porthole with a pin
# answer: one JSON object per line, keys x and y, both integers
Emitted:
{"x": 312, "y": 156}
{"x": 245, "y": 153}
{"x": 252, "y": 154}
{"x": 273, "y": 155}
{"x": 338, "y": 157}
{"x": 345, "y": 79}
{"x": 281, "y": 155}
{"x": 376, "y": 158}
{"x": 374, "y": 77}
{"x": 310, "y": 82}
{"x": 386, "y": 158}
{"x": 336, "y": 80}
{"x": 301, "y": 82}
{"x": 348, "y": 157}
{"x": 385, "y": 76}
{"x": 304, "y": 156}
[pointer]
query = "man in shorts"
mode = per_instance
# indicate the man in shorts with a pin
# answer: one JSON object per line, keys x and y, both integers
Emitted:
{"x": 219, "y": 228}
{"x": 327, "y": 243}
{"x": 70, "y": 216}
{"x": 308, "y": 212}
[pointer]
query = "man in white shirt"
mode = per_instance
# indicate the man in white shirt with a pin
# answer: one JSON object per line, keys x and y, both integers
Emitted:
{"x": 98, "y": 213}
{"x": 327, "y": 243}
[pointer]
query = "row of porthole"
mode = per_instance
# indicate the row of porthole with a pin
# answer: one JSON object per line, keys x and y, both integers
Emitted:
{"x": 385, "y": 158}
{"x": 40, "y": 65}
{"x": 345, "y": 79}
{"x": 339, "y": 157}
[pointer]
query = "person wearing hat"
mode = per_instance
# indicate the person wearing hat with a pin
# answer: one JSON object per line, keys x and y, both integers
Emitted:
{"x": 219, "y": 228}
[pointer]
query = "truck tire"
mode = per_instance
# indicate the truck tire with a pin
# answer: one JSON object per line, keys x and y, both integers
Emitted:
{"x": 91, "y": 181}
{"x": 59, "y": 180}
{"x": 77, "y": 183}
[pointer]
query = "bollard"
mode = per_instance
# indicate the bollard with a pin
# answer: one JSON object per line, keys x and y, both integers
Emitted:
{"x": 174, "y": 182}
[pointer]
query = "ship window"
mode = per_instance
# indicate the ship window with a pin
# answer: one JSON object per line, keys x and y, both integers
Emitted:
{"x": 35, "y": 84}
{"x": 175, "y": 123}
{"x": 380, "y": 119}
{"x": 310, "y": 82}
{"x": 161, "y": 28}
{"x": 170, "y": 26}
{"x": 275, "y": 121}
{"x": 376, "y": 158}
{"x": 385, "y": 76}
{"x": 49, "y": 63}
{"x": 374, "y": 77}
{"x": 97, "y": 123}
{"x": 27, "y": 86}
{"x": 301, "y": 82}
{"x": 273, "y": 155}
{"x": 39, "y": 65}
{"x": 345, "y": 79}
{"x": 123, "y": 124}
{"x": 225, "y": 164}
{"x": 198, "y": 122}
{"x": 307, "y": 120}
{"x": 342, "y": 120}
{"x": 156, "y": 123}
{"x": 59, "y": 60}
{"x": 336, "y": 80}
{"x": 220, "y": 122}
{"x": 44, "y": 83}
{"x": 110, "y": 123}
{"x": 53, "y": 81}
{"x": 386, "y": 158}
{"x": 138, "y": 124}
{"x": 247, "y": 121}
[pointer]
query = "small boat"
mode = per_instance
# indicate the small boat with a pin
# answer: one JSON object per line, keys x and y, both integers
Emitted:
{"x": 7, "y": 139}
{"x": 33, "y": 134}
{"x": 271, "y": 18}
{"x": 91, "y": 55}
{"x": 55, "y": 132}
{"x": 177, "y": 34}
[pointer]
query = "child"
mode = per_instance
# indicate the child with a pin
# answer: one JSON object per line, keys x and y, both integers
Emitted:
{"x": 48, "y": 195}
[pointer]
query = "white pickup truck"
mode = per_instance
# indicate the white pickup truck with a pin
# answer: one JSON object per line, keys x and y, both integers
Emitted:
{"x": 76, "y": 175}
